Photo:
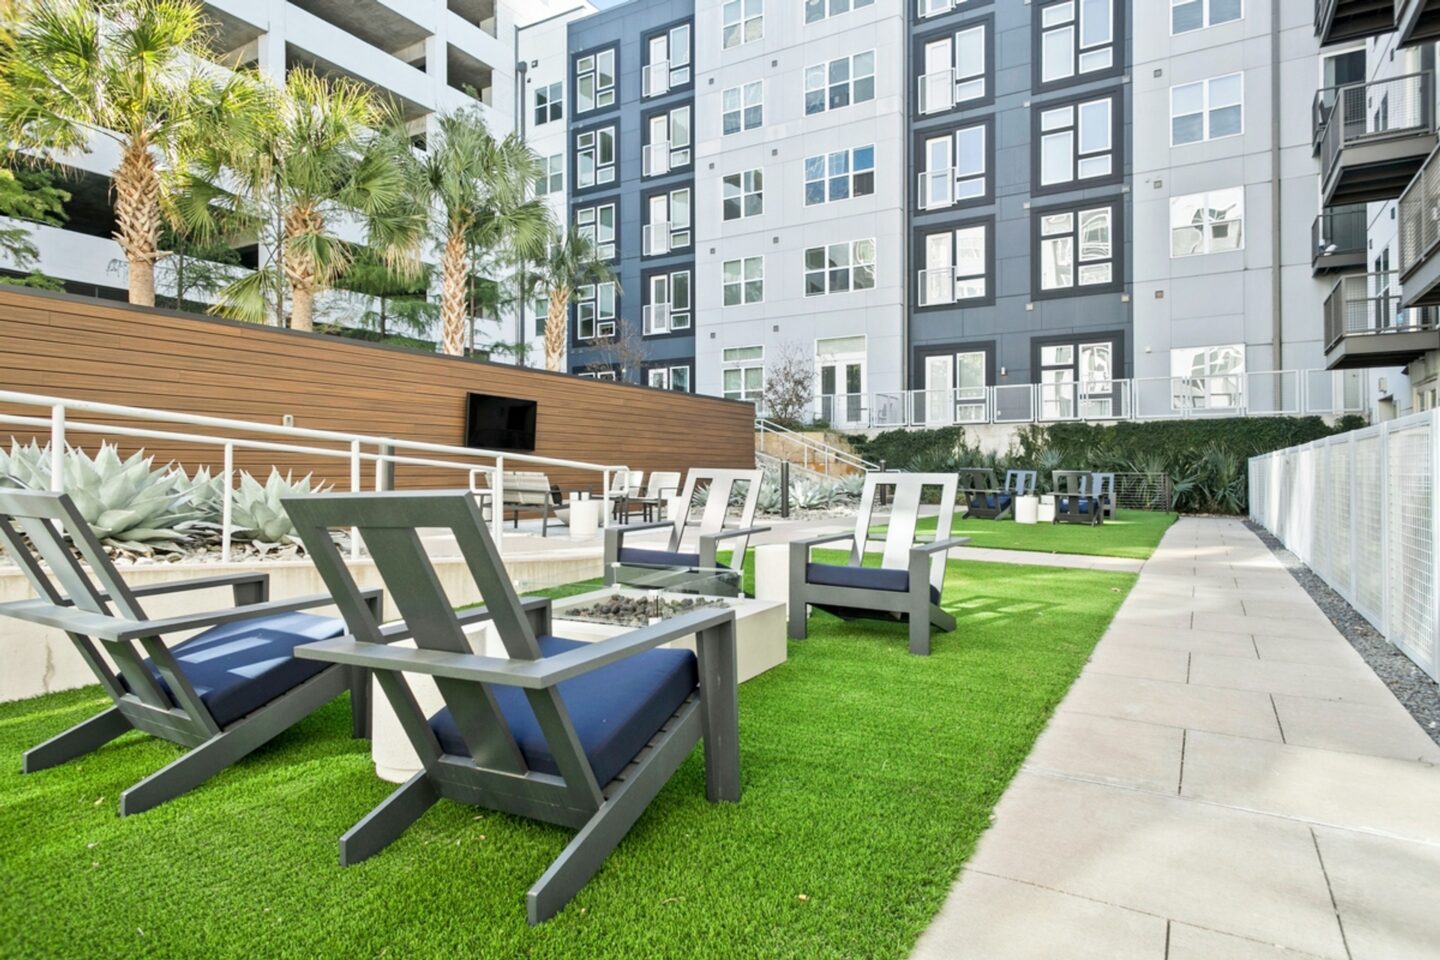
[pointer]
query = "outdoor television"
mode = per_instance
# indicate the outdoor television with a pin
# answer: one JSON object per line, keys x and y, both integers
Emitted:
{"x": 499, "y": 423}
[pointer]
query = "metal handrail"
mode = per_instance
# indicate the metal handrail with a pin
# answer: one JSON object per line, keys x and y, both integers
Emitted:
{"x": 387, "y": 450}
{"x": 1352, "y": 120}
{"x": 1365, "y": 304}
{"x": 824, "y": 451}
{"x": 1419, "y": 216}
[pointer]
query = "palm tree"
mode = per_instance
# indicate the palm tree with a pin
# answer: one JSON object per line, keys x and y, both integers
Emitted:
{"x": 131, "y": 71}
{"x": 327, "y": 152}
{"x": 568, "y": 264}
{"x": 477, "y": 189}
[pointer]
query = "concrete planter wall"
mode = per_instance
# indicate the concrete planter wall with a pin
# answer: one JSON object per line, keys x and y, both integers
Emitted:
{"x": 36, "y": 660}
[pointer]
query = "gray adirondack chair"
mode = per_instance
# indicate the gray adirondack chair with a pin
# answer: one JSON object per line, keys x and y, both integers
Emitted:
{"x": 223, "y": 693}
{"x": 581, "y": 735}
{"x": 1102, "y": 485}
{"x": 1074, "y": 500}
{"x": 711, "y": 530}
{"x": 984, "y": 500}
{"x": 911, "y": 577}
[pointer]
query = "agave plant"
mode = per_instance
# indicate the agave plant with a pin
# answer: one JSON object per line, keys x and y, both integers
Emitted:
{"x": 26, "y": 467}
{"x": 129, "y": 503}
{"x": 850, "y": 487}
{"x": 205, "y": 495}
{"x": 811, "y": 495}
{"x": 257, "y": 512}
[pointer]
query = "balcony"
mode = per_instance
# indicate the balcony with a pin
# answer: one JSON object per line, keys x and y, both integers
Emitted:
{"x": 1417, "y": 21}
{"x": 656, "y": 239}
{"x": 937, "y": 189}
{"x": 655, "y": 79}
{"x": 1365, "y": 325}
{"x": 937, "y": 287}
{"x": 655, "y": 159}
{"x": 1337, "y": 239}
{"x": 937, "y": 91}
{"x": 656, "y": 319}
{"x": 1337, "y": 21}
{"x": 1374, "y": 138}
{"x": 1419, "y": 237}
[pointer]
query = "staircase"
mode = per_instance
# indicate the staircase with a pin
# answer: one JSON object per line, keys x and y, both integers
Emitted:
{"x": 774, "y": 442}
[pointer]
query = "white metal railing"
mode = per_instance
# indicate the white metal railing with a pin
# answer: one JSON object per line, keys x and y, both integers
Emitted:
{"x": 1328, "y": 393}
{"x": 656, "y": 239}
{"x": 655, "y": 159}
{"x": 937, "y": 91}
{"x": 655, "y": 79}
{"x": 656, "y": 318}
{"x": 937, "y": 188}
{"x": 806, "y": 452}
{"x": 933, "y": 8}
{"x": 1360, "y": 510}
{"x": 228, "y": 435}
{"x": 937, "y": 285}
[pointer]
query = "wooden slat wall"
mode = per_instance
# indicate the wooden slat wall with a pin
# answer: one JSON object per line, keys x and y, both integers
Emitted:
{"x": 79, "y": 349}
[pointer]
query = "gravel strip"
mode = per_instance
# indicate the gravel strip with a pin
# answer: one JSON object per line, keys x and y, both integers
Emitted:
{"x": 1415, "y": 691}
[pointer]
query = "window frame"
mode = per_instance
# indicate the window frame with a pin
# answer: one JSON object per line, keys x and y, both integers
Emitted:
{"x": 1206, "y": 108}
{"x": 829, "y": 85}
{"x": 552, "y": 105}
{"x": 1115, "y": 152}
{"x": 743, "y": 365}
{"x": 922, "y": 234}
{"x": 985, "y": 23}
{"x": 951, "y": 132}
{"x": 852, "y": 264}
{"x": 1208, "y": 224}
{"x": 1205, "y": 22}
{"x": 827, "y": 177}
{"x": 830, "y": 14}
{"x": 688, "y": 229}
{"x": 1038, "y": 32}
{"x": 741, "y": 110}
{"x": 1079, "y": 340}
{"x": 1116, "y": 283}
{"x": 553, "y": 166}
{"x": 685, "y": 150}
{"x": 669, "y": 367}
{"x": 669, "y": 29}
{"x": 576, "y": 73}
{"x": 599, "y": 244}
{"x": 743, "y": 194}
{"x": 577, "y": 152}
{"x": 742, "y": 22}
{"x": 742, "y": 283}
{"x": 686, "y": 270}
{"x": 600, "y": 320}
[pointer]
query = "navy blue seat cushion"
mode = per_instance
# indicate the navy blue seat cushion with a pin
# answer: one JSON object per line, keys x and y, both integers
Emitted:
{"x": 991, "y": 501}
{"x": 615, "y": 710}
{"x": 236, "y": 668}
{"x": 658, "y": 558}
{"x": 866, "y": 578}
{"x": 1082, "y": 504}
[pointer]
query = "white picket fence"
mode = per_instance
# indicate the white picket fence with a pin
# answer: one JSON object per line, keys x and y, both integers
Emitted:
{"x": 1360, "y": 510}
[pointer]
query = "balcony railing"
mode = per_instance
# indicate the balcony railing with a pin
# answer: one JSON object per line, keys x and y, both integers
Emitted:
{"x": 656, "y": 318}
{"x": 655, "y": 159}
{"x": 655, "y": 79}
{"x": 933, "y": 8}
{"x": 1368, "y": 304}
{"x": 937, "y": 91}
{"x": 1419, "y": 229}
{"x": 937, "y": 286}
{"x": 1338, "y": 231}
{"x": 656, "y": 239}
{"x": 937, "y": 188}
{"x": 1382, "y": 110}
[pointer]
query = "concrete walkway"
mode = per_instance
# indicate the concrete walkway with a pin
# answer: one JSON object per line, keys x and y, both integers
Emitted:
{"x": 1227, "y": 780}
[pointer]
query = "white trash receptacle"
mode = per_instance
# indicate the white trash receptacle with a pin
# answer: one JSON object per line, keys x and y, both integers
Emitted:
{"x": 772, "y": 573}
{"x": 1047, "y": 509}
{"x": 584, "y": 518}
{"x": 1027, "y": 509}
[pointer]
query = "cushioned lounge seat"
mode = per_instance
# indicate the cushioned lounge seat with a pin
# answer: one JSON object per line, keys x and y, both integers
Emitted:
{"x": 239, "y": 667}
{"x": 991, "y": 501}
{"x": 659, "y": 558}
{"x": 616, "y": 709}
{"x": 866, "y": 578}
{"x": 1083, "y": 505}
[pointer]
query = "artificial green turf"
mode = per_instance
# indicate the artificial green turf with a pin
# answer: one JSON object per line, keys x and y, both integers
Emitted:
{"x": 868, "y": 773}
{"x": 1132, "y": 533}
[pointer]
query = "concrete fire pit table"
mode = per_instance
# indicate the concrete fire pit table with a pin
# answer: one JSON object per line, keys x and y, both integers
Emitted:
{"x": 759, "y": 644}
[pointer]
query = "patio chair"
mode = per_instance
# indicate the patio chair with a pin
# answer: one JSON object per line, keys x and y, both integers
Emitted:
{"x": 527, "y": 492}
{"x": 720, "y": 487}
{"x": 582, "y": 735}
{"x": 911, "y": 577}
{"x": 985, "y": 500}
{"x": 1074, "y": 503}
{"x": 663, "y": 484}
{"x": 224, "y": 692}
{"x": 1102, "y": 485}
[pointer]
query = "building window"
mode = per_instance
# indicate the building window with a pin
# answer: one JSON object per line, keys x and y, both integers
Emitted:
{"x": 840, "y": 83}
{"x": 742, "y": 195}
{"x": 1077, "y": 141}
{"x": 670, "y": 377}
{"x": 1207, "y": 377}
{"x": 1188, "y": 15}
{"x": 817, "y": 10}
{"x": 742, "y": 281}
{"x": 840, "y": 175}
{"x": 552, "y": 175}
{"x": 668, "y": 142}
{"x": 1077, "y": 379}
{"x": 597, "y": 224}
{"x": 743, "y": 21}
{"x": 956, "y": 264}
{"x": 954, "y": 168}
{"x": 1207, "y": 110}
{"x": 954, "y": 66}
{"x": 667, "y": 222}
{"x": 742, "y": 373}
{"x": 840, "y": 268}
{"x": 595, "y": 81}
{"x": 594, "y": 158}
{"x": 1077, "y": 39}
{"x": 1077, "y": 250}
{"x": 668, "y": 306}
{"x": 742, "y": 108}
{"x": 667, "y": 61}
{"x": 1207, "y": 223}
{"x": 549, "y": 103}
{"x": 595, "y": 311}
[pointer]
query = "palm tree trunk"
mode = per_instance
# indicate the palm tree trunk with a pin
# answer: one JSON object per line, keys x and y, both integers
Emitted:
{"x": 454, "y": 268}
{"x": 302, "y": 309}
{"x": 556, "y": 330}
{"x": 300, "y": 268}
{"x": 137, "y": 218}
